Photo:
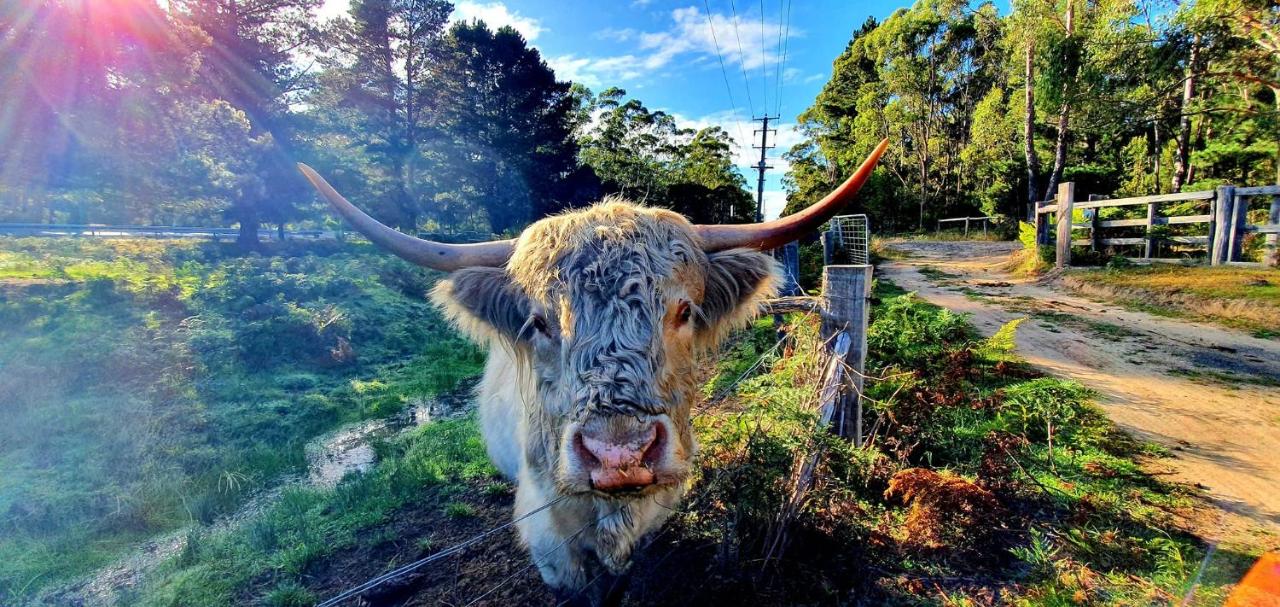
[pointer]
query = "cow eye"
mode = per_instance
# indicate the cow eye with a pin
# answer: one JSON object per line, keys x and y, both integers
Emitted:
{"x": 536, "y": 322}
{"x": 683, "y": 313}
{"x": 539, "y": 323}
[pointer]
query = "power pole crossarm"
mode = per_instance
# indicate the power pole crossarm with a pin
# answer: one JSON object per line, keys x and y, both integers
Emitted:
{"x": 764, "y": 148}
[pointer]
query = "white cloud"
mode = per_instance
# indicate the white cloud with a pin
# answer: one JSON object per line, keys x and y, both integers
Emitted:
{"x": 597, "y": 72}
{"x": 616, "y": 34}
{"x": 690, "y": 39}
{"x": 641, "y": 3}
{"x": 496, "y": 15}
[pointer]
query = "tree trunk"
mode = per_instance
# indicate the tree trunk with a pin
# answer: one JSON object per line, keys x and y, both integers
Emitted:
{"x": 247, "y": 237}
{"x": 1064, "y": 114}
{"x": 1182, "y": 160}
{"x": 1155, "y": 135}
{"x": 1029, "y": 131}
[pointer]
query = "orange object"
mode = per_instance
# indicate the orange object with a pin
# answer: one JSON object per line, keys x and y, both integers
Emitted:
{"x": 1261, "y": 586}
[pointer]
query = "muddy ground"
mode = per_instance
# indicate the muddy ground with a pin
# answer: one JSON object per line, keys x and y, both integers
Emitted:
{"x": 1211, "y": 395}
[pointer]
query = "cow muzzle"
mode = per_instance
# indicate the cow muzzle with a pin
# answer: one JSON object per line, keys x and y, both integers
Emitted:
{"x": 620, "y": 454}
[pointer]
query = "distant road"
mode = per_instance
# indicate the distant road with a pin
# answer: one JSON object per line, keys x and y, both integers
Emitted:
{"x": 110, "y": 231}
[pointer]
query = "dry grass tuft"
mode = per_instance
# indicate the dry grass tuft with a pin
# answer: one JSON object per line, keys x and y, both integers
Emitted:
{"x": 946, "y": 511}
{"x": 1240, "y": 297}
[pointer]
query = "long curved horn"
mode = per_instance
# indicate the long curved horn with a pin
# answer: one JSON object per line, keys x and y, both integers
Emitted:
{"x": 772, "y": 234}
{"x": 436, "y": 255}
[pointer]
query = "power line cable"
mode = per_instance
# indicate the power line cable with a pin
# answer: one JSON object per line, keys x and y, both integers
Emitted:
{"x": 724, "y": 72}
{"x": 786, "y": 43}
{"x": 742, "y": 62}
{"x": 764, "y": 63}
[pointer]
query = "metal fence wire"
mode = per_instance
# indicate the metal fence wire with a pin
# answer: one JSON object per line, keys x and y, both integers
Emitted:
{"x": 850, "y": 238}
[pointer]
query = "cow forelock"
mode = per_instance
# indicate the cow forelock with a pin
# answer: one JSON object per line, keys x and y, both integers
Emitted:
{"x": 614, "y": 349}
{"x": 610, "y": 275}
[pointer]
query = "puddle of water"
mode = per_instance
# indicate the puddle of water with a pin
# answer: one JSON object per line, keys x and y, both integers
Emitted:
{"x": 349, "y": 449}
{"x": 345, "y": 451}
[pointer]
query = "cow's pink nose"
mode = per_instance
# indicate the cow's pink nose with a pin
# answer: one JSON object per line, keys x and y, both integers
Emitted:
{"x": 620, "y": 463}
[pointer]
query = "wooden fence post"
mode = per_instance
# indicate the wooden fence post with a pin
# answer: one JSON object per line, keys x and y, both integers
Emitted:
{"x": 1223, "y": 225}
{"x": 1066, "y": 203}
{"x": 1042, "y": 226}
{"x": 1095, "y": 234}
{"x": 1149, "y": 247}
{"x": 1271, "y": 255}
{"x": 1239, "y": 218}
{"x": 845, "y": 291}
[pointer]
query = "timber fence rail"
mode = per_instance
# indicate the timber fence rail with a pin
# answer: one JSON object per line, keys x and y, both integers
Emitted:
{"x": 122, "y": 231}
{"x": 985, "y": 221}
{"x": 1223, "y": 241}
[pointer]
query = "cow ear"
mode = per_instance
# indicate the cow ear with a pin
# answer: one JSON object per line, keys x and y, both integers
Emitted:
{"x": 738, "y": 280}
{"x": 484, "y": 303}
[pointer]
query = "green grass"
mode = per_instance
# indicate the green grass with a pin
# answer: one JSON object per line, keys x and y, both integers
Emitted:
{"x": 219, "y": 415}
{"x": 1244, "y": 298}
{"x": 1082, "y": 521}
{"x": 1100, "y": 328}
{"x": 291, "y": 537}
{"x": 155, "y": 385}
{"x": 936, "y": 275}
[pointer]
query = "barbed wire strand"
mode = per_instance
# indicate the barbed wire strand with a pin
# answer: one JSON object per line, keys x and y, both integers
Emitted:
{"x": 395, "y": 573}
{"x": 533, "y": 562}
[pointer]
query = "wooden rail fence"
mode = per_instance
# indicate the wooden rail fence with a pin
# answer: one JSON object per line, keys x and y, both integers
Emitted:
{"x": 985, "y": 222}
{"x": 1227, "y": 221}
{"x": 108, "y": 231}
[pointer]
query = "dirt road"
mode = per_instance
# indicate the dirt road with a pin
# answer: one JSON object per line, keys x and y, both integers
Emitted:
{"x": 1209, "y": 394}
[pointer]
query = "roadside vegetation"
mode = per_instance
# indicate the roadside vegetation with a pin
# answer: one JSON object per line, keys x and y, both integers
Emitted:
{"x": 982, "y": 482}
{"x": 1244, "y": 298}
{"x": 154, "y": 385}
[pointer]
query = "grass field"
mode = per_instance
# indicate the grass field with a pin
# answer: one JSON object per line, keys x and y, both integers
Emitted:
{"x": 1245, "y": 298}
{"x": 155, "y": 385}
{"x": 162, "y": 397}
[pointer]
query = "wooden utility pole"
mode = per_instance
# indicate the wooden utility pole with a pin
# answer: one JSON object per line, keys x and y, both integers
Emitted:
{"x": 764, "y": 148}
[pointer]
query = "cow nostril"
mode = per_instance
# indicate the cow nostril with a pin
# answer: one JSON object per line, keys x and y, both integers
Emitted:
{"x": 584, "y": 453}
{"x": 653, "y": 450}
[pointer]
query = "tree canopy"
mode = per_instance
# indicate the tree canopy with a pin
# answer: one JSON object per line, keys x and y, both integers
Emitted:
{"x": 195, "y": 112}
{"x": 988, "y": 112}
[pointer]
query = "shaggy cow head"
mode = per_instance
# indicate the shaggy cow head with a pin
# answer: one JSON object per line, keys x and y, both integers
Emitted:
{"x": 606, "y": 310}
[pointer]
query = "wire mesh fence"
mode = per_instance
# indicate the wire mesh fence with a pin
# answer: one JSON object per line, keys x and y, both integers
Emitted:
{"x": 849, "y": 239}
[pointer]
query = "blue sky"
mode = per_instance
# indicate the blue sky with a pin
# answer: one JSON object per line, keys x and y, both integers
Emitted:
{"x": 664, "y": 52}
